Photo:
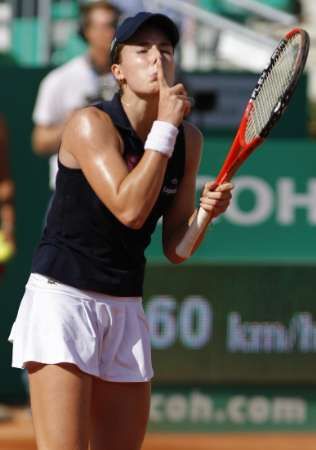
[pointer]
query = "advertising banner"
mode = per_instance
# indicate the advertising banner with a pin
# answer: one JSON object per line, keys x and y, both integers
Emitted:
{"x": 218, "y": 409}
{"x": 232, "y": 324}
{"x": 272, "y": 216}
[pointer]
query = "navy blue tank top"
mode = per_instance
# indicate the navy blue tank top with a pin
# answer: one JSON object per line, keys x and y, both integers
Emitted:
{"x": 83, "y": 244}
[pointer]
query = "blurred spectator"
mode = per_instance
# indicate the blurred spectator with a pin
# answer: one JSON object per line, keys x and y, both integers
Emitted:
{"x": 129, "y": 8}
{"x": 7, "y": 210}
{"x": 77, "y": 83}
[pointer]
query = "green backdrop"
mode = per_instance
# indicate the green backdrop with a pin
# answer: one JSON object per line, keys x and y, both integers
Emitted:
{"x": 272, "y": 217}
{"x": 226, "y": 277}
{"x": 232, "y": 324}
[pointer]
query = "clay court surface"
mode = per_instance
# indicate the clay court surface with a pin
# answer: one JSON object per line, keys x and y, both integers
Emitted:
{"x": 17, "y": 434}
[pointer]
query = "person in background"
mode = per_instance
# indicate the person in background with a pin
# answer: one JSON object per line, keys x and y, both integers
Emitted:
{"x": 77, "y": 83}
{"x": 7, "y": 209}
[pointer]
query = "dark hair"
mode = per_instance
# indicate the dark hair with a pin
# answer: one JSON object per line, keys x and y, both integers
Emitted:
{"x": 88, "y": 8}
{"x": 116, "y": 59}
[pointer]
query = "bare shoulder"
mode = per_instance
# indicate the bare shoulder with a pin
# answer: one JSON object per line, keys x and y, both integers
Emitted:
{"x": 88, "y": 135}
{"x": 194, "y": 143}
{"x": 90, "y": 127}
{"x": 88, "y": 120}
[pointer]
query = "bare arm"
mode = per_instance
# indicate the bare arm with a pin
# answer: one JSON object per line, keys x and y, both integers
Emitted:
{"x": 46, "y": 139}
{"x": 178, "y": 219}
{"x": 49, "y": 115}
{"x": 93, "y": 142}
{"x": 182, "y": 212}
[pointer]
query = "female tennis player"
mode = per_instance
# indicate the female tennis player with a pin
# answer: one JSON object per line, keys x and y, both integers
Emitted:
{"x": 81, "y": 331}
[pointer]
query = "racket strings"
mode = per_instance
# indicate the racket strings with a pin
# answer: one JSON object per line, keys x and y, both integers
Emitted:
{"x": 271, "y": 88}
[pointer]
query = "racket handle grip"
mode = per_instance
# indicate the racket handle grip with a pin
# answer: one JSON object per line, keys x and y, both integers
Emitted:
{"x": 185, "y": 247}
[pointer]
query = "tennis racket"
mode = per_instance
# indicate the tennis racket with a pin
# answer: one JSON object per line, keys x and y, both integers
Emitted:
{"x": 266, "y": 105}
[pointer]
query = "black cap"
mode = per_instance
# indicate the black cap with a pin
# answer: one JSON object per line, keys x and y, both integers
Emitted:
{"x": 132, "y": 24}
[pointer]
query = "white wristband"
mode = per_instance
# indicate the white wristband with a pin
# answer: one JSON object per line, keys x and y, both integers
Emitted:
{"x": 162, "y": 138}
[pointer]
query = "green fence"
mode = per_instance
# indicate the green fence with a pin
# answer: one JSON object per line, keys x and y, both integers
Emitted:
{"x": 27, "y": 41}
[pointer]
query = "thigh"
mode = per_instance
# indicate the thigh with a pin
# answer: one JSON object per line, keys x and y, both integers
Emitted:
{"x": 119, "y": 415}
{"x": 60, "y": 403}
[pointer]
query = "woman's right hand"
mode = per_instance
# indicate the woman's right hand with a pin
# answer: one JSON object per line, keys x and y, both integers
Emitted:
{"x": 174, "y": 103}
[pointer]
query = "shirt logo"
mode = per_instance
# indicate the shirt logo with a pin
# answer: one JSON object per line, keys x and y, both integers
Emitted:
{"x": 169, "y": 190}
{"x": 132, "y": 160}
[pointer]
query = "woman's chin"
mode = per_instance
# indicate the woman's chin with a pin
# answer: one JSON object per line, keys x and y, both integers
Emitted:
{"x": 153, "y": 88}
{"x": 152, "y": 91}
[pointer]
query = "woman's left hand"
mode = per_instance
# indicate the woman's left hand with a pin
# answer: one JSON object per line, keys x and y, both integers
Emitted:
{"x": 215, "y": 202}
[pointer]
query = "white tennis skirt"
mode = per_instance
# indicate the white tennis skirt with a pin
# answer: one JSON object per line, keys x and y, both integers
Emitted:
{"x": 103, "y": 335}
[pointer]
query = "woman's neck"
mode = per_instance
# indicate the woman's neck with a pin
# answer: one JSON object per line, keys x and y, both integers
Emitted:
{"x": 141, "y": 112}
